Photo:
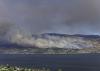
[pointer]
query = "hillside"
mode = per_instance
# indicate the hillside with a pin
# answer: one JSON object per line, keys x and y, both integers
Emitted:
{"x": 51, "y": 43}
{"x": 53, "y": 40}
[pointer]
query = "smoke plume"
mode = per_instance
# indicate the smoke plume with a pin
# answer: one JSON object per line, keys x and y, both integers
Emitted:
{"x": 56, "y": 16}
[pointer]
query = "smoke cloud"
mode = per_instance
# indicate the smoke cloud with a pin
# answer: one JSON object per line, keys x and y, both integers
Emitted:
{"x": 57, "y": 16}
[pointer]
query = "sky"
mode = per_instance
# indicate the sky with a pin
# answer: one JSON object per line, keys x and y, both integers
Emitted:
{"x": 50, "y": 16}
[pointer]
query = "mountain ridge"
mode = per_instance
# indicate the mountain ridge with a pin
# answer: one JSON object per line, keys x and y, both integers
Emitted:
{"x": 50, "y": 43}
{"x": 56, "y": 40}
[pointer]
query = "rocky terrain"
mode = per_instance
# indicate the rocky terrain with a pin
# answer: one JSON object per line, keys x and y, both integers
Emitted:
{"x": 52, "y": 43}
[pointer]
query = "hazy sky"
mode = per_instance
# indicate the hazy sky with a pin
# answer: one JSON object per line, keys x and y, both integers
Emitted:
{"x": 59, "y": 16}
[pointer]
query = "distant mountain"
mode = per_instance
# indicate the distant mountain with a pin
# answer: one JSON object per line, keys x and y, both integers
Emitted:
{"x": 56, "y": 40}
{"x": 75, "y": 35}
{"x": 51, "y": 43}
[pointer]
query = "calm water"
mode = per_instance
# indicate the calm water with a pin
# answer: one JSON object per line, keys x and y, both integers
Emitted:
{"x": 77, "y": 62}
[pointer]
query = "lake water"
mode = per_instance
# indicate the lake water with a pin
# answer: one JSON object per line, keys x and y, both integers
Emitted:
{"x": 76, "y": 62}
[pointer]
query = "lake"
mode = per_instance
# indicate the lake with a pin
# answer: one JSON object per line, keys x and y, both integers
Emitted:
{"x": 70, "y": 62}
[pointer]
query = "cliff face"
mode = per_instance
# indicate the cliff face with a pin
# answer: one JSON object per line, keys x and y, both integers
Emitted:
{"x": 54, "y": 40}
